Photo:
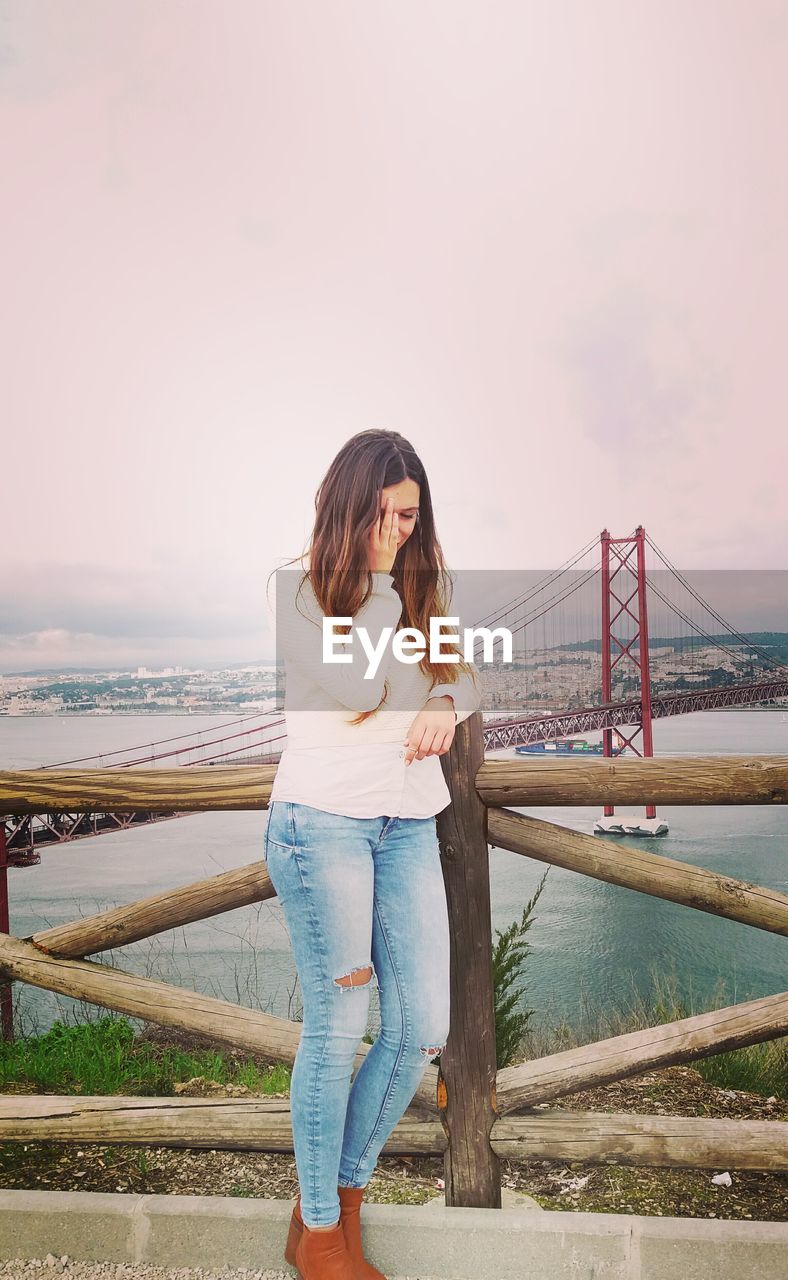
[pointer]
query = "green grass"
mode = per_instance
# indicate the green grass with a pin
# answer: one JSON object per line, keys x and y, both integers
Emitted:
{"x": 99, "y": 1055}
{"x": 100, "y": 1058}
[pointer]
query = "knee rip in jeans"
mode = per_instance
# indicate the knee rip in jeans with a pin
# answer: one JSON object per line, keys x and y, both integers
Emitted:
{"x": 346, "y": 981}
{"x": 365, "y": 972}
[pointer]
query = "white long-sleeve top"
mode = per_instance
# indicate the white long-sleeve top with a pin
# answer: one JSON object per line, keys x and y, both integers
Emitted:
{"x": 331, "y": 764}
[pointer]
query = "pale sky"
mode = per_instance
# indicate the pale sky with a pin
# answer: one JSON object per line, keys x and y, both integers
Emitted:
{"x": 544, "y": 241}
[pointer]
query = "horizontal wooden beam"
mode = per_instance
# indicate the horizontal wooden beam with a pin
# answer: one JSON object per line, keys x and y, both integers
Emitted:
{"x": 262, "y": 1124}
{"x": 600, "y": 1062}
{"x": 193, "y": 790}
{"x": 229, "y": 1024}
{"x": 564, "y": 780}
{"x": 754, "y": 779}
{"x": 167, "y": 910}
{"x": 634, "y": 867}
{"x": 167, "y": 1005}
{"x": 677, "y": 1142}
{"x": 254, "y": 1124}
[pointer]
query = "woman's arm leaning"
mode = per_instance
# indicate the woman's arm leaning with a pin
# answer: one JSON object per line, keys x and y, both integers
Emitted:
{"x": 466, "y": 694}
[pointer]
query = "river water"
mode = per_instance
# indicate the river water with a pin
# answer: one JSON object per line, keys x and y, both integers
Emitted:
{"x": 593, "y": 945}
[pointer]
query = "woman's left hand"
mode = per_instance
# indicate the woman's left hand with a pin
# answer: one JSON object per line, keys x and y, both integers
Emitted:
{"x": 432, "y": 732}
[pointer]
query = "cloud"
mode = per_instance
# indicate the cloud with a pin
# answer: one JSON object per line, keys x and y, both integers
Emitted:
{"x": 123, "y": 602}
{"x": 92, "y": 614}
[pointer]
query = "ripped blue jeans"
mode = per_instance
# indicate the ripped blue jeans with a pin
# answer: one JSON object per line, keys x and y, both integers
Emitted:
{"x": 363, "y": 900}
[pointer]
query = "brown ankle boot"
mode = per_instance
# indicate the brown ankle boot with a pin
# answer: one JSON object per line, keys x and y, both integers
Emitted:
{"x": 350, "y": 1220}
{"x": 295, "y": 1232}
{"x": 350, "y": 1217}
{"x": 323, "y": 1255}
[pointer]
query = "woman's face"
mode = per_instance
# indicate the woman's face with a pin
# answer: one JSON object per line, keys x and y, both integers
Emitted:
{"x": 406, "y": 504}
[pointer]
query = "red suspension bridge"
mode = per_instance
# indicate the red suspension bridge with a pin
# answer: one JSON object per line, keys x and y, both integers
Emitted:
{"x": 602, "y": 640}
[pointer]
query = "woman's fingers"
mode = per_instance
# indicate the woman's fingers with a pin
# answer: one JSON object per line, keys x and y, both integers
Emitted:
{"x": 438, "y": 747}
{"x": 427, "y": 739}
{"x": 378, "y": 534}
{"x": 389, "y": 526}
{"x": 427, "y": 746}
{"x": 386, "y": 520}
{"x": 440, "y": 743}
{"x": 413, "y": 744}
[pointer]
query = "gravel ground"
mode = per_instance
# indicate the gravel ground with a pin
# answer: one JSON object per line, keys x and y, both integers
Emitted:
{"x": 48, "y": 1267}
{"x": 36, "y": 1268}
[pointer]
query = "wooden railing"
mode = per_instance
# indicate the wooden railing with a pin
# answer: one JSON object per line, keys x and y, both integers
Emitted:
{"x": 465, "y": 1107}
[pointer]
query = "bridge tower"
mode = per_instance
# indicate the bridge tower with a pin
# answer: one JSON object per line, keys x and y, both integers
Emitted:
{"x": 619, "y": 616}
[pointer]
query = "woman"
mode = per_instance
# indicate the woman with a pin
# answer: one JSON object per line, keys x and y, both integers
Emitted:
{"x": 351, "y": 843}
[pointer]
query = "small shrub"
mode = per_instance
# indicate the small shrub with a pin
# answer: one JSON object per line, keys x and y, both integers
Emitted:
{"x": 510, "y": 951}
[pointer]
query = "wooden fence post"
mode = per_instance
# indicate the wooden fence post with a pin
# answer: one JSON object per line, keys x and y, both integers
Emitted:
{"x": 467, "y": 1065}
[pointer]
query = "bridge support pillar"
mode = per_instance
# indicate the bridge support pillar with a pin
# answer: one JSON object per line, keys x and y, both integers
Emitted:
{"x": 618, "y": 593}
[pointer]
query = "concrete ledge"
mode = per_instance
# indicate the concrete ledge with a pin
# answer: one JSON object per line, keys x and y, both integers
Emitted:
{"x": 403, "y": 1240}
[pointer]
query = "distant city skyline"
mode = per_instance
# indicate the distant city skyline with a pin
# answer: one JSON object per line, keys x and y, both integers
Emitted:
{"x": 750, "y": 601}
{"x": 558, "y": 678}
{"x": 547, "y": 246}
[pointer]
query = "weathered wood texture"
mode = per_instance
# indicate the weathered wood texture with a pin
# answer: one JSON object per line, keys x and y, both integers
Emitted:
{"x": 194, "y": 790}
{"x": 466, "y": 1085}
{"x": 684, "y": 1142}
{"x": 167, "y": 910}
{"x": 255, "y": 1124}
{"x": 229, "y": 1024}
{"x": 654, "y": 780}
{"x": 561, "y": 781}
{"x": 602, "y": 1061}
{"x": 261, "y": 1124}
{"x": 636, "y": 868}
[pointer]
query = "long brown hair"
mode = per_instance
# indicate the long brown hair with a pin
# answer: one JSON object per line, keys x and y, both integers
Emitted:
{"x": 347, "y": 504}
